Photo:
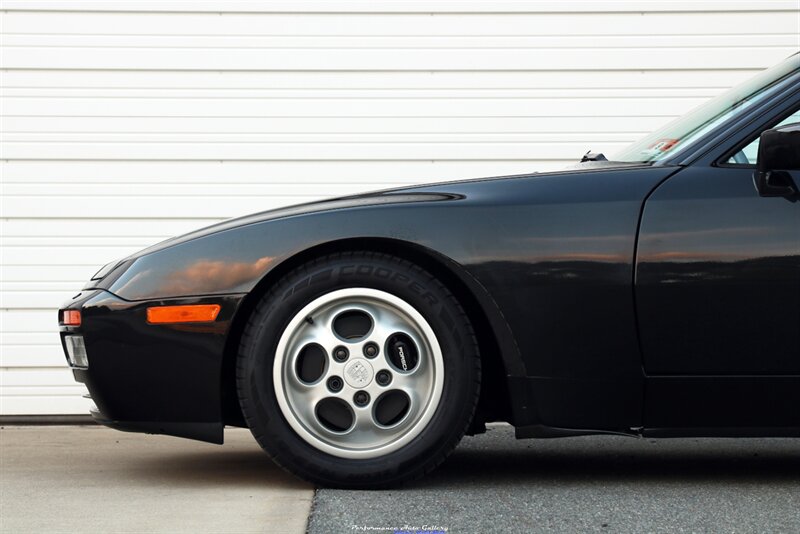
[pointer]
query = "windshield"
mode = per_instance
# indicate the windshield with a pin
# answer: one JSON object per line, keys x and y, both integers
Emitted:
{"x": 681, "y": 132}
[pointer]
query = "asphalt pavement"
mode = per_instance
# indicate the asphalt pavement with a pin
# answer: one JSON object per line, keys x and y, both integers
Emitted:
{"x": 496, "y": 484}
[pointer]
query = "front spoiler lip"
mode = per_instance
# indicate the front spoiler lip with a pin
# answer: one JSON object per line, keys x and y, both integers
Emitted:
{"x": 208, "y": 432}
{"x": 211, "y": 432}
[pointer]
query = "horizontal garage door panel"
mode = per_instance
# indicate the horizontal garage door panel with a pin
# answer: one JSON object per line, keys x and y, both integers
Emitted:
{"x": 412, "y": 24}
{"x": 358, "y": 59}
{"x": 404, "y": 42}
{"x": 332, "y": 128}
{"x": 107, "y": 82}
{"x": 344, "y": 107}
{"x": 66, "y": 401}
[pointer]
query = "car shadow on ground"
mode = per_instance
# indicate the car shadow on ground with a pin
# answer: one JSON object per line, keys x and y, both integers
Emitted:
{"x": 217, "y": 468}
{"x": 613, "y": 459}
{"x": 496, "y": 458}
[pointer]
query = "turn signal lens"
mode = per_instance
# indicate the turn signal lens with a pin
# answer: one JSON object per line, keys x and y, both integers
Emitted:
{"x": 192, "y": 313}
{"x": 76, "y": 351}
{"x": 71, "y": 317}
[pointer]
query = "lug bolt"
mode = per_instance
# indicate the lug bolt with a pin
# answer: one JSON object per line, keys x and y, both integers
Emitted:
{"x": 371, "y": 350}
{"x": 361, "y": 398}
{"x": 335, "y": 384}
{"x": 383, "y": 378}
{"x": 340, "y": 354}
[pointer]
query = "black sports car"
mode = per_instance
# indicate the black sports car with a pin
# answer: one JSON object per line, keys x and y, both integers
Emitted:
{"x": 652, "y": 293}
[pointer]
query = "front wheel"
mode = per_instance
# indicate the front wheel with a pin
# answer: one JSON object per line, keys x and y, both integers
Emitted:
{"x": 358, "y": 370}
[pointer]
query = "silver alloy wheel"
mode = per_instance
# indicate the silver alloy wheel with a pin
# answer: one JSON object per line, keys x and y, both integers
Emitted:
{"x": 407, "y": 349}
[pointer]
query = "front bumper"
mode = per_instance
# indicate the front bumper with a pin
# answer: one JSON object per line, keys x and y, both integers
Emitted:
{"x": 159, "y": 379}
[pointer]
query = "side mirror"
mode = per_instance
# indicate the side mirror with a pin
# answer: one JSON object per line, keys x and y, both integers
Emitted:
{"x": 778, "y": 153}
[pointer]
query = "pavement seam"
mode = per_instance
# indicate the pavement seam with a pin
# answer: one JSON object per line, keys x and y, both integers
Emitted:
{"x": 312, "y": 510}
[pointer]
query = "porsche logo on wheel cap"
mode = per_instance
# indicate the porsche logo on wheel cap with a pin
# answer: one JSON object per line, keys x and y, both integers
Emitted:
{"x": 358, "y": 373}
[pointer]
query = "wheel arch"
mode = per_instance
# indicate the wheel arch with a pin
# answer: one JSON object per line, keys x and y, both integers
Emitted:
{"x": 500, "y": 357}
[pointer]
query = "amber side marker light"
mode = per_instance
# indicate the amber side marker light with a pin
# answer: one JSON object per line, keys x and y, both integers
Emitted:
{"x": 71, "y": 317}
{"x": 190, "y": 313}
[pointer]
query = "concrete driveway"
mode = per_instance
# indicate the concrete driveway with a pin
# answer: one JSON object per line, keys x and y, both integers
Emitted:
{"x": 92, "y": 479}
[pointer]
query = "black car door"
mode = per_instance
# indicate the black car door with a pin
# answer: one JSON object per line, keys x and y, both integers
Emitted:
{"x": 717, "y": 292}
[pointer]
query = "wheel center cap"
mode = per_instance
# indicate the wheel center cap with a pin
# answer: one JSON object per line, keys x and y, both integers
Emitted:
{"x": 358, "y": 373}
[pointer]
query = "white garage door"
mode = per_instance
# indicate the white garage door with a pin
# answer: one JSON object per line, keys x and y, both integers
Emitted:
{"x": 126, "y": 122}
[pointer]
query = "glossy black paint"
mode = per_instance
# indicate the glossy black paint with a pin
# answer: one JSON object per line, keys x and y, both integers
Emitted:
{"x": 718, "y": 277}
{"x": 154, "y": 377}
{"x": 618, "y": 297}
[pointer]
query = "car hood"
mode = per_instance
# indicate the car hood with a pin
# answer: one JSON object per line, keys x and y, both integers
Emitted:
{"x": 416, "y": 193}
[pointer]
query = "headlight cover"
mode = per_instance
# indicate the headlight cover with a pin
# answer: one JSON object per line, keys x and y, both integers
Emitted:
{"x": 104, "y": 270}
{"x": 103, "y": 278}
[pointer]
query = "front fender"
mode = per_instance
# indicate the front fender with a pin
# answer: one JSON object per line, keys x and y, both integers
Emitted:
{"x": 554, "y": 253}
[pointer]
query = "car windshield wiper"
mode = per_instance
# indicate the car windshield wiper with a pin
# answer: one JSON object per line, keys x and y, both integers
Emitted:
{"x": 593, "y": 156}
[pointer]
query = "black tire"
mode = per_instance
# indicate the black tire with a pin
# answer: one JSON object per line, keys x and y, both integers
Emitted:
{"x": 418, "y": 288}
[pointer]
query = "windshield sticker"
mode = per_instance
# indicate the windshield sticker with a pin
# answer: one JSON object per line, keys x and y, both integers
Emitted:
{"x": 664, "y": 145}
{"x": 657, "y": 149}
